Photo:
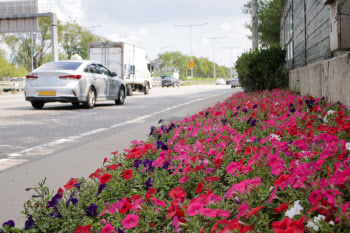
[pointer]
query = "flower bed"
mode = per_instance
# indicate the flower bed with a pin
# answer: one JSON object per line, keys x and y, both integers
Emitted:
{"x": 259, "y": 162}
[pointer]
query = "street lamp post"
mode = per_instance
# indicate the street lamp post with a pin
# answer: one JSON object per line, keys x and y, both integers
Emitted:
{"x": 215, "y": 38}
{"x": 190, "y": 26}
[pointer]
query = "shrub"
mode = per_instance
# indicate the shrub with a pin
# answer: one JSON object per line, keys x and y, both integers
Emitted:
{"x": 262, "y": 69}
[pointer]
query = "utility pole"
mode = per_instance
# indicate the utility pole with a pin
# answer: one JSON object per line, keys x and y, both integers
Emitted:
{"x": 230, "y": 58}
{"x": 214, "y": 38}
{"x": 255, "y": 24}
{"x": 190, "y": 26}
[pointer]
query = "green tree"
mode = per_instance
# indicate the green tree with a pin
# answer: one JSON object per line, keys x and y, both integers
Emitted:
{"x": 269, "y": 16}
{"x": 75, "y": 39}
{"x": 10, "y": 70}
{"x": 177, "y": 62}
{"x": 22, "y": 45}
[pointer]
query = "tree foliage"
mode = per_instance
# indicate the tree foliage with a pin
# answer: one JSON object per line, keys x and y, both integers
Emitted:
{"x": 269, "y": 17}
{"x": 178, "y": 62}
{"x": 22, "y": 45}
{"x": 72, "y": 38}
{"x": 10, "y": 70}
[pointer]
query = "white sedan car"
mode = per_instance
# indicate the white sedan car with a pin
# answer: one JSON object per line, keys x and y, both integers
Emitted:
{"x": 220, "y": 81}
{"x": 73, "y": 81}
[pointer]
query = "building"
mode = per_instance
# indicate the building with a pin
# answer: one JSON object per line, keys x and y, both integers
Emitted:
{"x": 316, "y": 35}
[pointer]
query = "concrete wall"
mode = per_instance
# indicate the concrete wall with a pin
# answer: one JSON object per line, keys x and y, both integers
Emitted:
{"x": 330, "y": 78}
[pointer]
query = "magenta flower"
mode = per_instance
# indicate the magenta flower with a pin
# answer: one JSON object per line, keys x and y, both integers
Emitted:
{"x": 183, "y": 179}
{"x": 130, "y": 221}
{"x": 222, "y": 213}
{"x": 159, "y": 202}
{"x": 195, "y": 208}
{"x": 315, "y": 197}
{"x": 208, "y": 212}
{"x": 243, "y": 209}
{"x": 108, "y": 228}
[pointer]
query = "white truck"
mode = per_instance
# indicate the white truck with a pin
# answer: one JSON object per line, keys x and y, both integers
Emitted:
{"x": 128, "y": 61}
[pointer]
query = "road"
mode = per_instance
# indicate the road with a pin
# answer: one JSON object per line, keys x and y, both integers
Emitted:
{"x": 61, "y": 141}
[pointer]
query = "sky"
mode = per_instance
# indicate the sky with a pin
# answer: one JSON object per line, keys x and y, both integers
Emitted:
{"x": 149, "y": 24}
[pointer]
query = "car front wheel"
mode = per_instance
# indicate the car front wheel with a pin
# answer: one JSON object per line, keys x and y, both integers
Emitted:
{"x": 37, "y": 104}
{"x": 121, "y": 96}
{"x": 91, "y": 99}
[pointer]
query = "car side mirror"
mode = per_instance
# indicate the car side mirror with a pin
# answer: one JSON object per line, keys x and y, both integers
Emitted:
{"x": 114, "y": 74}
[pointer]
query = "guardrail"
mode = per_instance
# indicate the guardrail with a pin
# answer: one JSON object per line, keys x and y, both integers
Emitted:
{"x": 159, "y": 83}
{"x": 10, "y": 85}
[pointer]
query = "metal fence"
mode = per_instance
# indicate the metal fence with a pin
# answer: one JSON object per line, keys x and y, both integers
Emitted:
{"x": 12, "y": 86}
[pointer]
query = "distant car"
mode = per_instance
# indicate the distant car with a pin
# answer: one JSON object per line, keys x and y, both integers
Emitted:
{"x": 73, "y": 81}
{"x": 228, "y": 81}
{"x": 220, "y": 81}
{"x": 235, "y": 83}
{"x": 170, "y": 81}
{"x": 16, "y": 86}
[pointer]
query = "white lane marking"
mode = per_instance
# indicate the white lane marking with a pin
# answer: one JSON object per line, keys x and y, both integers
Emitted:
{"x": 71, "y": 138}
{"x": 6, "y": 101}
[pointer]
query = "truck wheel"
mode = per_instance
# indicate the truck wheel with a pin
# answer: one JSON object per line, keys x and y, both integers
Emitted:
{"x": 90, "y": 99}
{"x": 146, "y": 89}
{"x": 37, "y": 104}
{"x": 129, "y": 90}
{"x": 121, "y": 96}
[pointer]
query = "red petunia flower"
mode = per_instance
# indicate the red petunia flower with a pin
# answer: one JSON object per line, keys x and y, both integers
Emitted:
{"x": 254, "y": 211}
{"x": 60, "y": 192}
{"x": 150, "y": 194}
{"x": 70, "y": 184}
{"x": 95, "y": 174}
{"x": 281, "y": 208}
{"x": 82, "y": 229}
{"x": 199, "y": 187}
{"x": 126, "y": 206}
{"x": 104, "y": 161}
{"x": 211, "y": 179}
{"x": 217, "y": 162}
{"x": 127, "y": 174}
{"x": 112, "y": 167}
{"x": 105, "y": 178}
{"x": 198, "y": 168}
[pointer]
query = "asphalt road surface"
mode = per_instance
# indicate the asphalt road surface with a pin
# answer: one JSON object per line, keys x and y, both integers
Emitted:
{"x": 61, "y": 141}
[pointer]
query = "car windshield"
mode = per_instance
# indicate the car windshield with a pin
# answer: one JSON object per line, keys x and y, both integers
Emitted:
{"x": 168, "y": 78}
{"x": 60, "y": 66}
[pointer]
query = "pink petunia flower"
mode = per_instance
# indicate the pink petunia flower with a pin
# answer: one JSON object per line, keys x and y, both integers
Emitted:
{"x": 108, "y": 228}
{"x": 159, "y": 202}
{"x": 243, "y": 209}
{"x": 104, "y": 210}
{"x": 130, "y": 221}
{"x": 222, "y": 213}
{"x": 208, "y": 212}
{"x": 195, "y": 208}
{"x": 183, "y": 179}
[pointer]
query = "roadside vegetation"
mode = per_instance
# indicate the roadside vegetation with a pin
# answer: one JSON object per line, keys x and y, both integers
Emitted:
{"x": 178, "y": 62}
{"x": 268, "y": 161}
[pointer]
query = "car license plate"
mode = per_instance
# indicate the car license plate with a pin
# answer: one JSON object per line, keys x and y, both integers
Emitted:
{"x": 47, "y": 93}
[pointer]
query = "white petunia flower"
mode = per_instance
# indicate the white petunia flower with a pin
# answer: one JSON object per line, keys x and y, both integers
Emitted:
{"x": 330, "y": 112}
{"x": 295, "y": 210}
{"x": 317, "y": 219}
{"x": 347, "y": 145}
{"x": 278, "y": 138}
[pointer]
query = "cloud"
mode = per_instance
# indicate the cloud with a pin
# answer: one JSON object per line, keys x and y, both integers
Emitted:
{"x": 225, "y": 26}
{"x": 70, "y": 9}
{"x": 143, "y": 32}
